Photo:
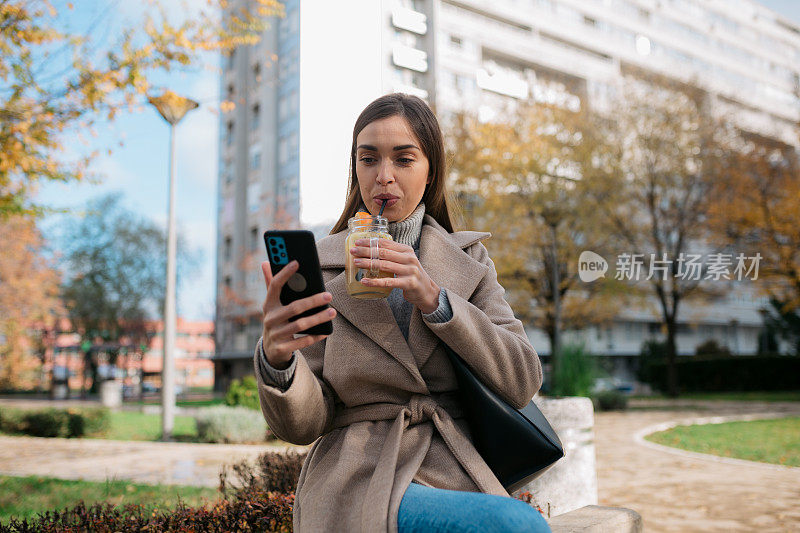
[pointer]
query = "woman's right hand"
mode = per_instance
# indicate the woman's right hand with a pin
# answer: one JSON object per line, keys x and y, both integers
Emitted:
{"x": 278, "y": 339}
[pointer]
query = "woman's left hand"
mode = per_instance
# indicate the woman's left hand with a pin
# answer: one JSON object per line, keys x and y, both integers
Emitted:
{"x": 399, "y": 259}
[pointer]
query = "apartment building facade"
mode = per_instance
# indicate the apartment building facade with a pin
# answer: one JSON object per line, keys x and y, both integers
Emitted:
{"x": 284, "y": 148}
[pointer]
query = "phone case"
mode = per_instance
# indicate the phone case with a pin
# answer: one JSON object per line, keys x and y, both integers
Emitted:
{"x": 284, "y": 246}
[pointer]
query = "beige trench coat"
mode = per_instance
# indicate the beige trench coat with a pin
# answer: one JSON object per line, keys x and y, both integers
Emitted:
{"x": 382, "y": 410}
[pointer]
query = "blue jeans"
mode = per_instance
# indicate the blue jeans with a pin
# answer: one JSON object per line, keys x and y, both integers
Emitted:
{"x": 428, "y": 510}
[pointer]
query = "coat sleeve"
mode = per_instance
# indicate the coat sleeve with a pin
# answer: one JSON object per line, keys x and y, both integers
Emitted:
{"x": 490, "y": 339}
{"x": 304, "y": 411}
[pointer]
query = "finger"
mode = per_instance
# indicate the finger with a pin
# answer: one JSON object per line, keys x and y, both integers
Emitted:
{"x": 278, "y": 281}
{"x": 382, "y": 282}
{"x": 300, "y": 343}
{"x": 385, "y": 243}
{"x": 398, "y": 256}
{"x": 266, "y": 269}
{"x": 385, "y": 266}
{"x": 283, "y": 313}
{"x": 304, "y": 323}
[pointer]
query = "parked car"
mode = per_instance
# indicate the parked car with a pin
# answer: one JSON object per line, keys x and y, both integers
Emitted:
{"x": 612, "y": 383}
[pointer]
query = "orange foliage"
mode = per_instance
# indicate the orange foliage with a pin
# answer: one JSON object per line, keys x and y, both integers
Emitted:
{"x": 36, "y": 113}
{"x": 28, "y": 298}
{"x": 759, "y": 211}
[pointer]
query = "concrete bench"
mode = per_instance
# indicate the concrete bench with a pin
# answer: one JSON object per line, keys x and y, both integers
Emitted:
{"x": 567, "y": 492}
{"x": 597, "y": 519}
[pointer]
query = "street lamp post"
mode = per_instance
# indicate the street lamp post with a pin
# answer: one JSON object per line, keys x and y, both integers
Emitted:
{"x": 173, "y": 108}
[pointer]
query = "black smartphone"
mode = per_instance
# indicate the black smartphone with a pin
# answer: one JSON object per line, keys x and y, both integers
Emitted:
{"x": 285, "y": 246}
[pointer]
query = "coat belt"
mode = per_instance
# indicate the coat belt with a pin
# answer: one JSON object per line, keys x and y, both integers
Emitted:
{"x": 420, "y": 408}
{"x": 438, "y": 408}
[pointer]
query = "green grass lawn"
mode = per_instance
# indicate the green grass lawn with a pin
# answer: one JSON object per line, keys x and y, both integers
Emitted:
{"x": 184, "y": 403}
{"x": 24, "y": 497}
{"x": 133, "y": 425}
{"x": 768, "y": 441}
{"x": 753, "y": 396}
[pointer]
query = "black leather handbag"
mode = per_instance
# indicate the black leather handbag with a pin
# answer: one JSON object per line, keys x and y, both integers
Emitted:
{"x": 518, "y": 444}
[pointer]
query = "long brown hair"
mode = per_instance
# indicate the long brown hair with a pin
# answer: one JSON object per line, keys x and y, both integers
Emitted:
{"x": 426, "y": 128}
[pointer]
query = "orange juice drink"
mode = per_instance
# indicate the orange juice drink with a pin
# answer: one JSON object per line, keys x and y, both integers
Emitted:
{"x": 374, "y": 228}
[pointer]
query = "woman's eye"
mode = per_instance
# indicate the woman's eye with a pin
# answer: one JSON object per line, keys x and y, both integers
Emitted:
{"x": 367, "y": 160}
{"x": 405, "y": 160}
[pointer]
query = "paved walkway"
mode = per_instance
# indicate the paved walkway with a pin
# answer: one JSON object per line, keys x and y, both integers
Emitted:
{"x": 678, "y": 493}
{"x": 170, "y": 463}
{"x": 672, "y": 492}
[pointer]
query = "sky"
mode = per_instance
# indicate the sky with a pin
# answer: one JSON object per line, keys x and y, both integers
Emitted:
{"x": 139, "y": 168}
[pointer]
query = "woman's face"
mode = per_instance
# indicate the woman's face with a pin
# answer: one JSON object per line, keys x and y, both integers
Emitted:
{"x": 390, "y": 164}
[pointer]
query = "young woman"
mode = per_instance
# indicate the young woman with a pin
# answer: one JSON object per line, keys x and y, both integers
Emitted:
{"x": 378, "y": 396}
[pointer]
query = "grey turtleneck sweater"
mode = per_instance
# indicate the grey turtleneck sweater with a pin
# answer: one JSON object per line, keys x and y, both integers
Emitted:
{"x": 408, "y": 232}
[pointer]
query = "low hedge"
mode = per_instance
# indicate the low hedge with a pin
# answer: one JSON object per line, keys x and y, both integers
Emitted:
{"x": 55, "y": 422}
{"x": 234, "y": 425}
{"x": 730, "y": 374}
{"x": 271, "y": 472}
{"x": 252, "y": 512}
{"x": 610, "y": 400}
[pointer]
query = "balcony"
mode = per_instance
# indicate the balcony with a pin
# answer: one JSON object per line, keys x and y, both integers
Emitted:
{"x": 408, "y": 19}
{"x": 410, "y": 58}
{"x": 502, "y": 83}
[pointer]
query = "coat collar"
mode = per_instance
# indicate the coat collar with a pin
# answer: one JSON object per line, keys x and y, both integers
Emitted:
{"x": 442, "y": 256}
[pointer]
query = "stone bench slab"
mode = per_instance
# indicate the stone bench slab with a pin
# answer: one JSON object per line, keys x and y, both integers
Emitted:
{"x": 597, "y": 519}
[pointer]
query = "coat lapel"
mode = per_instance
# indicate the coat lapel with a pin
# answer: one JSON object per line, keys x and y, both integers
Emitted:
{"x": 442, "y": 257}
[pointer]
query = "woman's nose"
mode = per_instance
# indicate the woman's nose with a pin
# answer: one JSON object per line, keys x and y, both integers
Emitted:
{"x": 385, "y": 174}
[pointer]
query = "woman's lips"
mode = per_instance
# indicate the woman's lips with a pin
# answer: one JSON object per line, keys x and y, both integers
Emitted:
{"x": 390, "y": 203}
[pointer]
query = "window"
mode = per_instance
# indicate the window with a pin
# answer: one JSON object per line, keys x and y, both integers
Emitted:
{"x": 288, "y": 63}
{"x": 256, "y": 73}
{"x": 407, "y": 38}
{"x": 255, "y": 121}
{"x": 254, "y": 238}
{"x": 231, "y": 58}
{"x": 227, "y": 211}
{"x": 283, "y": 150}
{"x": 228, "y": 248}
{"x": 229, "y": 133}
{"x": 231, "y": 92}
{"x": 253, "y": 197}
{"x": 287, "y": 105}
{"x": 228, "y": 282}
{"x": 227, "y": 171}
{"x": 455, "y": 41}
{"x": 287, "y": 148}
{"x": 255, "y": 158}
{"x": 289, "y": 25}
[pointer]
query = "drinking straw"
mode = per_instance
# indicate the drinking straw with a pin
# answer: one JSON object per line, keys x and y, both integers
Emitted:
{"x": 385, "y": 200}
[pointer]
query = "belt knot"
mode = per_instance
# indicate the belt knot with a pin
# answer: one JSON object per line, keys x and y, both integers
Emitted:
{"x": 421, "y": 408}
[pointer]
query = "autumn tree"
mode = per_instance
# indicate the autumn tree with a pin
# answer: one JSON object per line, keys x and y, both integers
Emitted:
{"x": 43, "y": 102}
{"x": 667, "y": 149}
{"x": 758, "y": 212}
{"x": 29, "y": 296}
{"x": 115, "y": 275}
{"x": 519, "y": 176}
